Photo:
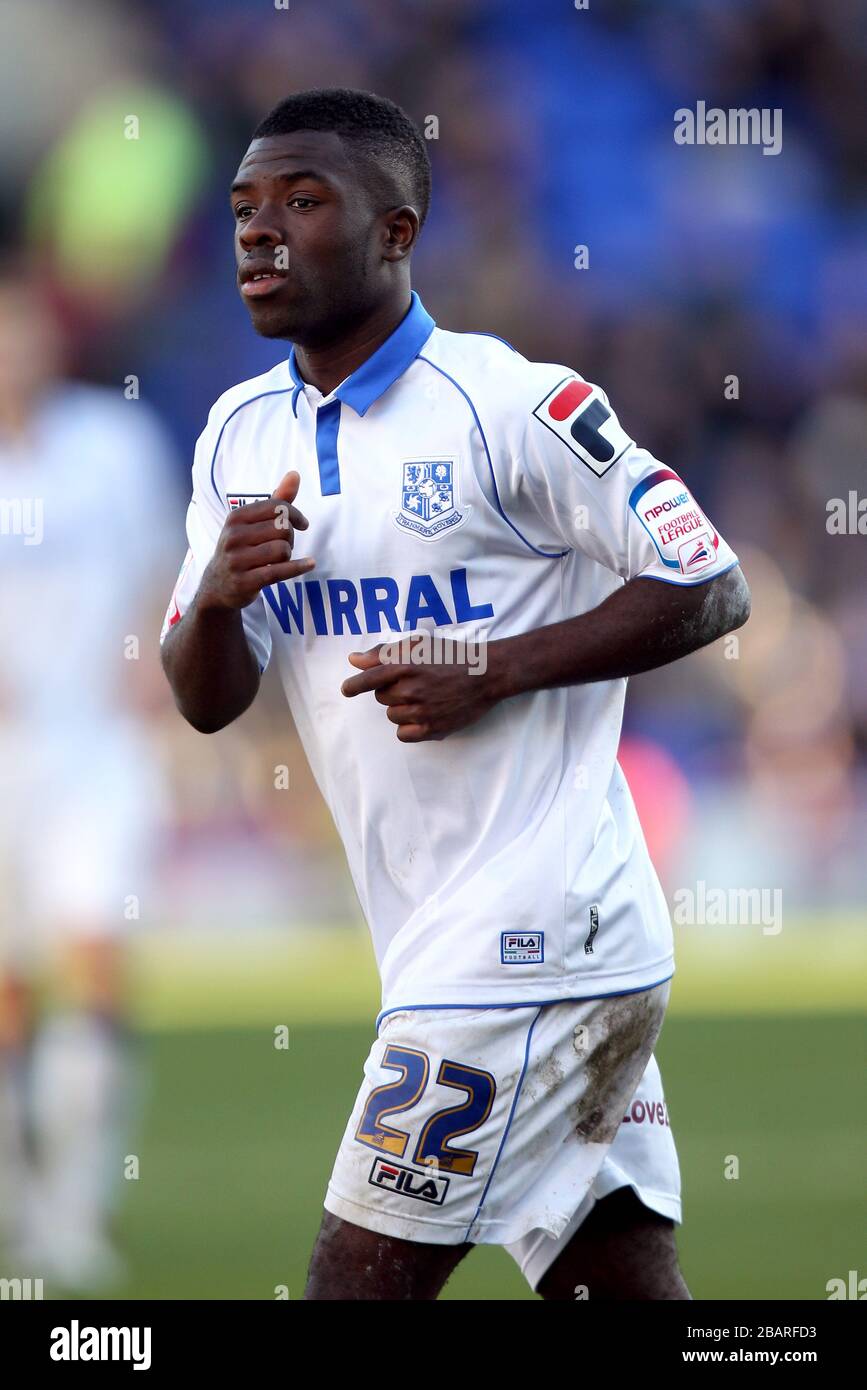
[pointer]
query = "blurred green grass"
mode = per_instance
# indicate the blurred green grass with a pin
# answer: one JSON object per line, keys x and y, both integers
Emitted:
{"x": 237, "y": 1139}
{"x": 325, "y": 974}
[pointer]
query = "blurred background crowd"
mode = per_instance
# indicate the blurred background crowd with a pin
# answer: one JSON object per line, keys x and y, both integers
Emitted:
{"x": 721, "y": 305}
{"x": 553, "y": 131}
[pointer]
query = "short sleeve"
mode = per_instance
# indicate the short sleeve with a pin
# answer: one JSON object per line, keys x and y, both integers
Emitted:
{"x": 598, "y": 492}
{"x": 206, "y": 516}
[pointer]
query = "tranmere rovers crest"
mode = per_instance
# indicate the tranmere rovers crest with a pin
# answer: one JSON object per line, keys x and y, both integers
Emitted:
{"x": 427, "y": 503}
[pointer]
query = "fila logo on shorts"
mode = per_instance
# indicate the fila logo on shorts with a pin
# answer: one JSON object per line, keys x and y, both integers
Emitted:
{"x": 409, "y": 1182}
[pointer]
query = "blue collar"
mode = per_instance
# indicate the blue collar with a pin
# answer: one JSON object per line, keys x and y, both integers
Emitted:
{"x": 373, "y": 378}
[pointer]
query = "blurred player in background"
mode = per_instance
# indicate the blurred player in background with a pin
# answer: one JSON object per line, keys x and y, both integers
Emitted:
{"x": 83, "y": 471}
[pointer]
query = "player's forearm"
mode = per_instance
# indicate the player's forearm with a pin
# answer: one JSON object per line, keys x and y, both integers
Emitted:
{"x": 209, "y": 665}
{"x": 643, "y": 625}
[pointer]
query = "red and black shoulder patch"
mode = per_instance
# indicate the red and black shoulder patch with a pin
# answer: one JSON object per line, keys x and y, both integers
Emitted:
{"x": 577, "y": 413}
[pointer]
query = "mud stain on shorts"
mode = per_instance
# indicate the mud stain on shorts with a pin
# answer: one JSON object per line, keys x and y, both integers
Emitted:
{"x": 621, "y": 1037}
{"x": 551, "y": 1074}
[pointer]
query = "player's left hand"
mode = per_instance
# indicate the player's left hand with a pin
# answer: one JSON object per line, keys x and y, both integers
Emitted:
{"x": 425, "y": 701}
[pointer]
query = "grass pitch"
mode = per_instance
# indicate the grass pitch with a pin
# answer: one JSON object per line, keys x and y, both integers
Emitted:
{"x": 237, "y": 1139}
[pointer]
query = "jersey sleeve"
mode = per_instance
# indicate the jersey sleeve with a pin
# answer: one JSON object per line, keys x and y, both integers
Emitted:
{"x": 206, "y": 516}
{"x": 598, "y": 492}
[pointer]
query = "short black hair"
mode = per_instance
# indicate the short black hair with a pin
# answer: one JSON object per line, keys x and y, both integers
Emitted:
{"x": 377, "y": 127}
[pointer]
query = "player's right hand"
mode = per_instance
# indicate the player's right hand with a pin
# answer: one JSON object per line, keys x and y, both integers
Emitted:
{"x": 255, "y": 549}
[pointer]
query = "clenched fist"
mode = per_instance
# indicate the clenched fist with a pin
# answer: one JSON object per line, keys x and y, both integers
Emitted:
{"x": 255, "y": 549}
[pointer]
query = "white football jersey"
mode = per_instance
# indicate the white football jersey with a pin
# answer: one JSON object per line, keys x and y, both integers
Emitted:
{"x": 85, "y": 491}
{"x": 453, "y": 486}
{"x": 84, "y": 494}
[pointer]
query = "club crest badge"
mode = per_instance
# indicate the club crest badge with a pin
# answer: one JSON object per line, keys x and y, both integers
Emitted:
{"x": 428, "y": 501}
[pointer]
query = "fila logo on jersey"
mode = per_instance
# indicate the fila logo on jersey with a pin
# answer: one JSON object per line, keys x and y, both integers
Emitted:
{"x": 680, "y": 531}
{"x": 427, "y": 506}
{"x": 522, "y": 948}
{"x": 577, "y": 414}
{"x": 243, "y": 499}
{"x": 409, "y": 1182}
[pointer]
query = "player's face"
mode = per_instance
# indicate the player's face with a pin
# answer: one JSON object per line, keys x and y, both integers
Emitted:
{"x": 305, "y": 236}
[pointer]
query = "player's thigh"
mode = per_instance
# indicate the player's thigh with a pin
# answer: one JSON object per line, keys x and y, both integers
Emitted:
{"x": 351, "y": 1263}
{"x": 622, "y": 1251}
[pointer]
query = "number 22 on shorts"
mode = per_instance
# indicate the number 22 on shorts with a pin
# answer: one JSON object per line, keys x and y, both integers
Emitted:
{"x": 397, "y": 1097}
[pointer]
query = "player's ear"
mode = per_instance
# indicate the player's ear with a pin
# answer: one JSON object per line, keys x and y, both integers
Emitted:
{"x": 400, "y": 231}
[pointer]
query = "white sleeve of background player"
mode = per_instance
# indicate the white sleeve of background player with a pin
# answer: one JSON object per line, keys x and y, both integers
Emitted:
{"x": 603, "y": 495}
{"x": 206, "y": 516}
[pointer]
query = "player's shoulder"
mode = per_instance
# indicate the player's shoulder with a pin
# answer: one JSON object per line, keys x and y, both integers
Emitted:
{"x": 102, "y": 420}
{"x": 86, "y": 405}
{"x": 495, "y": 376}
{"x": 531, "y": 409}
{"x": 276, "y": 381}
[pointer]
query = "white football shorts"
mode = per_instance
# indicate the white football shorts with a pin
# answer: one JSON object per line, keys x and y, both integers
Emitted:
{"x": 504, "y": 1126}
{"x": 79, "y": 817}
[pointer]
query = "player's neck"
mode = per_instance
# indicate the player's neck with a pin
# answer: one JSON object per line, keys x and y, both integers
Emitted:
{"x": 327, "y": 365}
